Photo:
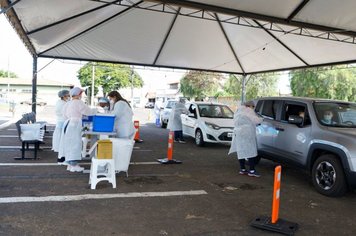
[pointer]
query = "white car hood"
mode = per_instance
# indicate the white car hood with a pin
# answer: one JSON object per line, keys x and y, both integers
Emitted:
{"x": 226, "y": 123}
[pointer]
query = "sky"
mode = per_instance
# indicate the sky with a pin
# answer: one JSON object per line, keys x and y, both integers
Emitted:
{"x": 16, "y": 58}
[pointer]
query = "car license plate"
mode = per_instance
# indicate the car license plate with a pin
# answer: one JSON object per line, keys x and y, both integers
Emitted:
{"x": 229, "y": 135}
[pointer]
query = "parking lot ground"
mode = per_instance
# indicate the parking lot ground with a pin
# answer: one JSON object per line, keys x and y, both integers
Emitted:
{"x": 203, "y": 196}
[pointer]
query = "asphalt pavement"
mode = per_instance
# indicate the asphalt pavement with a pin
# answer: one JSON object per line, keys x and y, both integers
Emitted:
{"x": 202, "y": 196}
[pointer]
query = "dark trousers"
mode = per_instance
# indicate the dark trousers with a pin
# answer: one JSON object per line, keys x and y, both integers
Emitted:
{"x": 178, "y": 135}
{"x": 251, "y": 162}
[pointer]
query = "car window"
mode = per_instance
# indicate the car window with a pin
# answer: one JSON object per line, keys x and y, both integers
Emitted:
{"x": 296, "y": 109}
{"x": 336, "y": 114}
{"x": 269, "y": 109}
{"x": 193, "y": 110}
{"x": 215, "y": 111}
{"x": 170, "y": 104}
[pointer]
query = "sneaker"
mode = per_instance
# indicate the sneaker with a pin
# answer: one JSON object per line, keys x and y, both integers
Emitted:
{"x": 76, "y": 168}
{"x": 61, "y": 161}
{"x": 181, "y": 141}
{"x": 253, "y": 173}
{"x": 176, "y": 140}
{"x": 243, "y": 172}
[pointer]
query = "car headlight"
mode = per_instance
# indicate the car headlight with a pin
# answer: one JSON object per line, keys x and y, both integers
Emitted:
{"x": 212, "y": 126}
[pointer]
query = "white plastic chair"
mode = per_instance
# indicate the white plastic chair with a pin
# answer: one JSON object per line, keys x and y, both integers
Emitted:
{"x": 100, "y": 170}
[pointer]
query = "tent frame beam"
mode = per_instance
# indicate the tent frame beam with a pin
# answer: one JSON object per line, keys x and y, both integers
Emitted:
{"x": 198, "y": 69}
{"x": 280, "y": 42}
{"x": 90, "y": 28}
{"x": 70, "y": 18}
{"x": 301, "y": 27}
{"x": 230, "y": 45}
{"x": 166, "y": 37}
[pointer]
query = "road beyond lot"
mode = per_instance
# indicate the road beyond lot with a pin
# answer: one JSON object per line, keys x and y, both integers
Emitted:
{"x": 203, "y": 196}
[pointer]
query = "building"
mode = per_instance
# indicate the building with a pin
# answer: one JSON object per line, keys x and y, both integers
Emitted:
{"x": 19, "y": 89}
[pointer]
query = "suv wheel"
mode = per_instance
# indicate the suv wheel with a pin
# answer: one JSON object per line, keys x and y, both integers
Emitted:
{"x": 199, "y": 140}
{"x": 328, "y": 176}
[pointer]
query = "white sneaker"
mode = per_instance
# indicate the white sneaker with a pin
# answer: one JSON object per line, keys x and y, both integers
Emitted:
{"x": 76, "y": 168}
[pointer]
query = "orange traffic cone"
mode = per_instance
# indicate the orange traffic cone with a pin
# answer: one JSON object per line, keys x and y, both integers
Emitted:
{"x": 137, "y": 133}
{"x": 273, "y": 223}
{"x": 169, "y": 159}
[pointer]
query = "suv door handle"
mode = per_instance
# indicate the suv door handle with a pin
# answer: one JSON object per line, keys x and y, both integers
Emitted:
{"x": 279, "y": 129}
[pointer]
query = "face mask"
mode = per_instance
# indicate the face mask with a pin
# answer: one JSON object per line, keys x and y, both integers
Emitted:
{"x": 106, "y": 108}
{"x": 111, "y": 103}
{"x": 327, "y": 118}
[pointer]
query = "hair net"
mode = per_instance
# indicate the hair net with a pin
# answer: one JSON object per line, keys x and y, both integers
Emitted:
{"x": 104, "y": 100}
{"x": 75, "y": 91}
{"x": 63, "y": 93}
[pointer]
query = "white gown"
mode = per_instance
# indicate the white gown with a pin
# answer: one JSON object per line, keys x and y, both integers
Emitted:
{"x": 175, "y": 121}
{"x": 123, "y": 120}
{"x": 244, "y": 139}
{"x": 71, "y": 140}
{"x": 59, "y": 125}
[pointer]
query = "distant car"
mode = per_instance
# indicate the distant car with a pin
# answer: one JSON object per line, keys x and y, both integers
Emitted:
{"x": 166, "y": 111}
{"x": 208, "y": 122}
{"x": 29, "y": 102}
{"x": 149, "y": 105}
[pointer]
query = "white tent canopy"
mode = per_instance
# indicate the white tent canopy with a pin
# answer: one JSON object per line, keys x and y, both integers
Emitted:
{"x": 233, "y": 36}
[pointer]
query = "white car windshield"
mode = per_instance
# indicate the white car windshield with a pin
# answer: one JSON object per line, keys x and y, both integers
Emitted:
{"x": 170, "y": 104}
{"x": 336, "y": 114}
{"x": 215, "y": 111}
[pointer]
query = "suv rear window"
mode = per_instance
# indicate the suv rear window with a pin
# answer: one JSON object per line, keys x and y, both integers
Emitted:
{"x": 269, "y": 109}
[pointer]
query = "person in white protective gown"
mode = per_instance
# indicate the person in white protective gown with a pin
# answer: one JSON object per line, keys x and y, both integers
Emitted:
{"x": 244, "y": 138}
{"x": 175, "y": 120}
{"x": 123, "y": 115}
{"x": 157, "y": 109}
{"x": 64, "y": 97}
{"x": 103, "y": 106}
{"x": 71, "y": 140}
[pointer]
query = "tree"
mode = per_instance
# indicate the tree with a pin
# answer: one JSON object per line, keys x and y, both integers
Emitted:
{"x": 337, "y": 83}
{"x": 259, "y": 85}
{"x": 109, "y": 76}
{"x": 199, "y": 84}
{"x": 4, "y": 74}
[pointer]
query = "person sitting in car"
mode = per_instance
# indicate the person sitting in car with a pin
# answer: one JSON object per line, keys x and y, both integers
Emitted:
{"x": 328, "y": 118}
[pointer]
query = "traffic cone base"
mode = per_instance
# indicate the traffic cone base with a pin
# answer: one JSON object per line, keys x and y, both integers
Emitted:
{"x": 167, "y": 161}
{"x": 281, "y": 226}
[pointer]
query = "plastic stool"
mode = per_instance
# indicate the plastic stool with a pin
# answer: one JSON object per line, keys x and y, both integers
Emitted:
{"x": 109, "y": 173}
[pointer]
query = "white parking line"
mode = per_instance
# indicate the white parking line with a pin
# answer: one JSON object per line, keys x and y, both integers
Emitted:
{"x": 84, "y": 163}
{"x": 12, "y": 147}
{"x": 67, "y": 198}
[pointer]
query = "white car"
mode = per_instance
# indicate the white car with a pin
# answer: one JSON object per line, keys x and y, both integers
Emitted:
{"x": 208, "y": 122}
{"x": 166, "y": 111}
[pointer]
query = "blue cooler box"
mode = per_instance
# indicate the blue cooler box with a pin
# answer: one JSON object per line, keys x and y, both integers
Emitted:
{"x": 103, "y": 123}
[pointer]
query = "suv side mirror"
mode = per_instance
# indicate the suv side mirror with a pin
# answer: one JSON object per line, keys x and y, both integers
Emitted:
{"x": 293, "y": 119}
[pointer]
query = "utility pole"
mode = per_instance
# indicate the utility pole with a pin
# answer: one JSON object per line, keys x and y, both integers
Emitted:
{"x": 243, "y": 88}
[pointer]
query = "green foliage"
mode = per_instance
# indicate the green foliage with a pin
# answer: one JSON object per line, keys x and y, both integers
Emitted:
{"x": 109, "y": 76}
{"x": 338, "y": 83}
{"x": 198, "y": 84}
{"x": 260, "y": 85}
{"x": 3, "y": 74}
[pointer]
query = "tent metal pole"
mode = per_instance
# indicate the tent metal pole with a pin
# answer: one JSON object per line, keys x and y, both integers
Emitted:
{"x": 92, "y": 86}
{"x": 34, "y": 83}
{"x": 243, "y": 89}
